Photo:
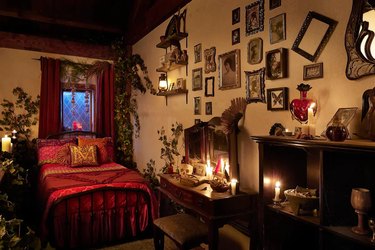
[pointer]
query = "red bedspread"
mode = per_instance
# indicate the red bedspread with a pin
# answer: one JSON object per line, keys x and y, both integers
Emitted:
{"x": 57, "y": 182}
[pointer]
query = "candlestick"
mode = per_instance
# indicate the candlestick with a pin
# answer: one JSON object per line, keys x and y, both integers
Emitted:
{"x": 5, "y": 144}
{"x": 277, "y": 191}
{"x": 233, "y": 186}
{"x": 310, "y": 116}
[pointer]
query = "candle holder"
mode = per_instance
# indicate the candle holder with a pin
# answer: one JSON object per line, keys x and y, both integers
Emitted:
{"x": 361, "y": 202}
{"x": 276, "y": 203}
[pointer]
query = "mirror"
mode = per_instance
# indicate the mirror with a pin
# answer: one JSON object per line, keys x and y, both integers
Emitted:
{"x": 314, "y": 35}
{"x": 358, "y": 40}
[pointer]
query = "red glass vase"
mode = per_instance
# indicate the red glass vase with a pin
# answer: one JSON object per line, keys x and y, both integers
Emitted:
{"x": 299, "y": 107}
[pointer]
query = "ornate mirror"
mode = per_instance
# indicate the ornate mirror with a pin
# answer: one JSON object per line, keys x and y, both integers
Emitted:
{"x": 358, "y": 40}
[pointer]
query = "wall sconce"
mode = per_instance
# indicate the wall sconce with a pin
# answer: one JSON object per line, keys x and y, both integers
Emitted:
{"x": 163, "y": 83}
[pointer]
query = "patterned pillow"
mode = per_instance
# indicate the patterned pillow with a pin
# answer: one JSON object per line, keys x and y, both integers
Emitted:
{"x": 83, "y": 156}
{"x": 54, "y": 151}
{"x": 105, "y": 147}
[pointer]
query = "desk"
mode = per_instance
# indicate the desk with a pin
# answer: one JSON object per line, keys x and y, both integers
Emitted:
{"x": 215, "y": 208}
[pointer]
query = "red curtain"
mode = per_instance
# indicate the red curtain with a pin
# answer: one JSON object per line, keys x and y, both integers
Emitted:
{"x": 105, "y": 103}
{"x": 50, "y": 97}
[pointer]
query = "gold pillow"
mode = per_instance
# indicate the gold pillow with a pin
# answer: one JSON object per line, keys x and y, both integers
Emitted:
{"x": 83, "y": 156}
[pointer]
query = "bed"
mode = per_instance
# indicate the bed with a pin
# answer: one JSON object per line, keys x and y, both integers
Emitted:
{"x": 88, "y": 200}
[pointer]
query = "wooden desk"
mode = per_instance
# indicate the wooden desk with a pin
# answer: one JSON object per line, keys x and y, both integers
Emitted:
{"x": 215, "y": 208}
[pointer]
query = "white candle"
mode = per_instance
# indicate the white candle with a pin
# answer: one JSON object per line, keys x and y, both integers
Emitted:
{"x": 209, "y": 169}
{"x": 277, "y": 191}
{"x": 305, "y": 129}
{"x": 5, "y": 144}
{"x": 233, "y": 186}
{"x": 312, "y": 129}
{"x": 310, "y": 114}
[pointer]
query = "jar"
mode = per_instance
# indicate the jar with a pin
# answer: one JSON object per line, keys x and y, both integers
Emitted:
{"x": 337, "y": 131}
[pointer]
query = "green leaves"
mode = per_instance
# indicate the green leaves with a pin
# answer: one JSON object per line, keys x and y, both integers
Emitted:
{"x": 169, "y": 149}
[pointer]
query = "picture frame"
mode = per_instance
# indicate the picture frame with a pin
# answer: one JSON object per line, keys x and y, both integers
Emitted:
{"x": 198, "y": 53}
{"x": 313, "y": 71}
{"x": 208, "y": 108}
{"x": 229, "y": 70}
{"x": 197, "y": 79}
{"x": 255, "y": 86}
{"x": 254, "y": 17}
{"x": 277, "y": 28}
{"x": 209, "y": 58}
{"x": 274, "y": 4}
{"x": 180, "y": 83}
{"x": 197, "y": 105}
{"x": 236, "y": 15}
{"x": 344, "y": 115}
{"x": 276, "y": 64}
{"x": 314, "y": 35}
{"x": 236, "y": 36}
{"x": 255, "y": 51}
{"x": 277, "y": 99}
{"x": 209, "y": 89}
{"x": 197, "y": 121}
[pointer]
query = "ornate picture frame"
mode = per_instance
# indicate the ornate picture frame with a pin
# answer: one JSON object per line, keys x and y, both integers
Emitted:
{"x": 198, "y": 53}
{"x": 255, "y": 51}
{"x": 254, "y": 17}
{"x": 277, "y": 99}
{"x": 277, "y": 28}
{"x": 230, "y": 70}
{"x": 277, "y": 64}
{"x": 209, "y": 89}
{"x": 255, "y": 86}
{"x": 236, "y": 37}
{"x": 197, "y": 105}
{"x": 314, "y": 35}
{"x": 209, "y": 58}
{"x": 196, "y": 79}
{"x": 208, "y": 108}
{"x": 313, "y": 71}
{"x": 236, "y": 15}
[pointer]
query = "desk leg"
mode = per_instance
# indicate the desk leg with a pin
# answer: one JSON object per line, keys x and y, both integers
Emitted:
{"x": 213, "y": 235}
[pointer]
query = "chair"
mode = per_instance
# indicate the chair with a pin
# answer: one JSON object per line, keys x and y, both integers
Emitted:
{"x": 185, "y": 230}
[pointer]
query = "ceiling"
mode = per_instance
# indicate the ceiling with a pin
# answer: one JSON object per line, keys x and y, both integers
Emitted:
{"x": 87, "y": 21}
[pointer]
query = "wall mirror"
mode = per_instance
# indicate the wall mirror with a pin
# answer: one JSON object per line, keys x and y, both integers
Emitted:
{"x": 314, "y": 35}
{"x": 358, "y": 40}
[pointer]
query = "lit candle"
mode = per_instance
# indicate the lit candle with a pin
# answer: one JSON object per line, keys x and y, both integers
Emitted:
{"x": 14, "y": 132}
{"x": 233, "y": 186}
{"x": 277, "y": 191}
{"x": 5, "y": 144}
{"x": 209, "y": 168}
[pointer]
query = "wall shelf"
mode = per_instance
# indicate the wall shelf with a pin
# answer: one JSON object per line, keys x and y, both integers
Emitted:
{"x": 168, "y": 41}
{"x": 171, "y": 67}
{"x": 172, "y": 93}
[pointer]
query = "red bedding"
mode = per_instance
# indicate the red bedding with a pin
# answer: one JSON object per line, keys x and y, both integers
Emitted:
{"x": 92, "y": 205}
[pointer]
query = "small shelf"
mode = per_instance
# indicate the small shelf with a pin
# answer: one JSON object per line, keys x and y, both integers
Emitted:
{"x": 347, "y": 232}
{"x": 168, "y": 41}
{"x": 171, "y": 67}
{"x": 173, "y": 92}
{"x": 287, "y": 210}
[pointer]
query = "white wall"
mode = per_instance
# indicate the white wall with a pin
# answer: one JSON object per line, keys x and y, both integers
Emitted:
{"x": 209, "y": 22}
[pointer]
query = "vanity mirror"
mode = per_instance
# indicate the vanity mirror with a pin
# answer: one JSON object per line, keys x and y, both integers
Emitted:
{"x": 358, "y": 40}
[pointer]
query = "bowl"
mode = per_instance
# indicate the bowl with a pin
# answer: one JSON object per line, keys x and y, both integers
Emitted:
{"x": 302, "y": 200}
{"x": 219, "y": 185}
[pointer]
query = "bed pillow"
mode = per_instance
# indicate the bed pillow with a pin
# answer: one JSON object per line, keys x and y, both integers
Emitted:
{"x": 83, "y": 156}
{"x": 105, "y": 147}
{"x": 54, "y": 151}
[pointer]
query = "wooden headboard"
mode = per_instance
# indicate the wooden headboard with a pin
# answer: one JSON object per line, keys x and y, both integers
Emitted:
{"x": 69, "y": 134}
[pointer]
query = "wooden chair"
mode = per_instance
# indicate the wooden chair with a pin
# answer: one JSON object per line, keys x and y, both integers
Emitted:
{"x": 185, "y": 230}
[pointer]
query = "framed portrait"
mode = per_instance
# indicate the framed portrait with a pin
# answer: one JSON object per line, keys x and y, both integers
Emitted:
{"x": 276, "y": 64}
{"x": 254, "y": 17}
{"x": 255, "y": 86}
{"x": 314, "y": 35}
{"x": 209, "y": 86}
{"x": 180, "y": 83}
{"x": 197, "y": 79}
{"x": 313, "y": 71}
{"x": 274, "y": 4}
{"x": 277, "y": 99}
{"x": 197, "y": 105}
{"x": 229, "y": 70}
{"x": 236, "y": 15}
{"x": 277, "y": 28}
{"x": 209, "y": 58}
{"x": 198, "y": 53}
{"x": 344, "y": 115}
{"x": 235, "y": 36}
{"x": 255, "y": 50}
{"x": 208, "y": 108}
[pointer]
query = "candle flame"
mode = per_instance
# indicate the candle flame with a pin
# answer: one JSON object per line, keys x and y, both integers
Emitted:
{"x": 277, "y": 184}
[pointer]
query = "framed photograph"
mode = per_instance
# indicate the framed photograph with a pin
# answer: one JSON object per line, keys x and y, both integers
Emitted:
{"x": 181, "y": 83}
{"x": 198, "y": 53}
{"x": 235, "y": 36}
{"x": 276, "y": 64}
{"x": 277, "y": 29}
{"x": 209, "y": 86}
{"x": 277, "y": 99}
{"x": 274, "y": 4}
{"x": 229, "y": 70}
{"x": 255, "y": 50}
{"x": 313, "y": 71}
{"x": 208, "y": 108}
{"x": 255, "y": 86}
{"x": 197, "y": 105}
{"x": 209, "y": 58}
{"x": 254, "y": 17}
{"x": 197, "y": 79}
{"x": 344, "y": 115}
{"x": 236, "y": 15}
{"x": 314, "y": 35}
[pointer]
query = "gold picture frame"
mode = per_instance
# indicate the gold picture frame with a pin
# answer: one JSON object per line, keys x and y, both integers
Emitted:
{"x": 229, "y": 70}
